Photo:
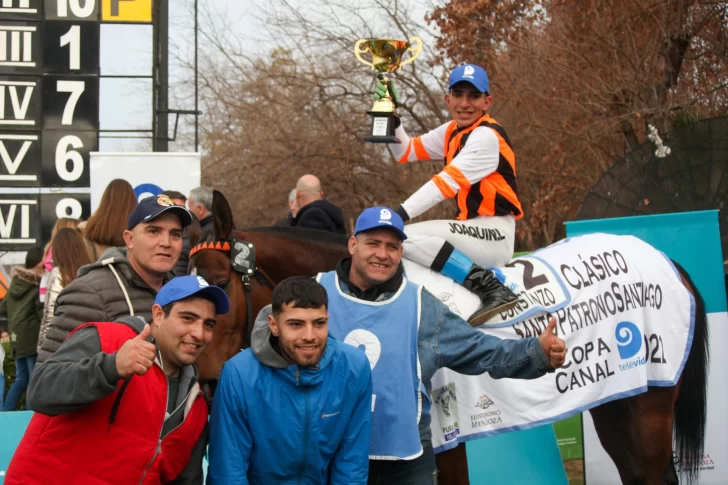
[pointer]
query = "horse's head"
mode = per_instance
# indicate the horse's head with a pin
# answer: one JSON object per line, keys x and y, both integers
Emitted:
{"x": 247, "y": 264}
{"x": 211, "y": 260}
{"x": 227, "y": 337}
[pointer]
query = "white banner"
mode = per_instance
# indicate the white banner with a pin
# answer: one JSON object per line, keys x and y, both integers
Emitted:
{"x": 620, "y": 307}
{"x": 600, "y": 469}
{"x": 148, "y": 173}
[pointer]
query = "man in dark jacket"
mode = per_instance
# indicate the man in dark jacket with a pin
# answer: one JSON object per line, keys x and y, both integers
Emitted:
{"x": 314, "y": 211}
{"x": 24, "y": 310}
{"x": 120, "y": 401}
{"x": 200, "y": 204}
{"x": 180, "y": 269}
{"x": 124, "y": 281}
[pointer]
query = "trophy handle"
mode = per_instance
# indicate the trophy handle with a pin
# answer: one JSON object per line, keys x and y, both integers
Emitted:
{"x": 358, "y": 51}
{"x": 414, "y": 50}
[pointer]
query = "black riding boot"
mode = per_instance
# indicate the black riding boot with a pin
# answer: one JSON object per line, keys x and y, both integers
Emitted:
{"x": 495, "y": 297}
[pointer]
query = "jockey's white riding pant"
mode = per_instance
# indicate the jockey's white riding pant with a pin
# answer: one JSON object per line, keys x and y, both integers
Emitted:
{"x": 488, "y": 241}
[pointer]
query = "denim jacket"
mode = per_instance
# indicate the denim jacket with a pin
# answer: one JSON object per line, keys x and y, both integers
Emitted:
{"x": 446, "y": 340}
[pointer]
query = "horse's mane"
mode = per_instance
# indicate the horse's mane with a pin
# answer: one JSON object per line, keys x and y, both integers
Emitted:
{"x": 302, "y": 234}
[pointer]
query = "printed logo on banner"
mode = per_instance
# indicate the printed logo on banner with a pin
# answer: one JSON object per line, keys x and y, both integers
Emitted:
{"x": 490, "y": 416}
{"x": 706, "y": 462}
{"x": 629, "y": 339}
{"x": 484, "y": 402}
{"x": 446, "y": 404}
{"x": 143, "y": 191}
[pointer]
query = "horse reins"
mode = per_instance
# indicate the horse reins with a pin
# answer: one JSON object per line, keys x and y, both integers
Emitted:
{"x": 242, "y": 260}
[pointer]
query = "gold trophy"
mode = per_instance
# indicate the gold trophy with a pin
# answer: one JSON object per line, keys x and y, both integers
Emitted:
{"x": 386, "y": 58}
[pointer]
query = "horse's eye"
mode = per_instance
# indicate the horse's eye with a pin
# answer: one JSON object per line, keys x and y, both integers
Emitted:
{"x": 224, "y": 284}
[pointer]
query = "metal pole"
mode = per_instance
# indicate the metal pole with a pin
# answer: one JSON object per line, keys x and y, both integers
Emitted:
{"x": 162, "y": 143}
{"x": 197, "y": 116}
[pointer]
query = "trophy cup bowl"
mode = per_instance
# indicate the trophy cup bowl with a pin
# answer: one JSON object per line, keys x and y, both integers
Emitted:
{"x": 386, "y": 57}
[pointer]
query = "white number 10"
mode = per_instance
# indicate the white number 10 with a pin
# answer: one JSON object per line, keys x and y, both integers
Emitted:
{"x": 72, "y": 39}
{"x": 76, "y": 8}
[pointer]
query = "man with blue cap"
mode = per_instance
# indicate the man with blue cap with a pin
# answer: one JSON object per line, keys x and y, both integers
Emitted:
{"x": 407, "y": 334}
{"x": 120, "y": 402}
{"x": 480, "y": 170}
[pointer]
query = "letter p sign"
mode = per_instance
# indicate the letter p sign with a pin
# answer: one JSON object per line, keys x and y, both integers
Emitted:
{"x": 139, "y": 11}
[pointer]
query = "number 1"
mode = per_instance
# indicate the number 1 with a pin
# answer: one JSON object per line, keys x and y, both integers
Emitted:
{"x": 72, "y": 39}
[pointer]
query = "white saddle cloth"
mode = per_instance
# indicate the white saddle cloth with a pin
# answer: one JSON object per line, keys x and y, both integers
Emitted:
{"x": 621, "y": 308}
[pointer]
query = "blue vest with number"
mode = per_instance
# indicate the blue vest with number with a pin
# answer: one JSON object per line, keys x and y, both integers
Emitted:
{"x": 387, "y": 332}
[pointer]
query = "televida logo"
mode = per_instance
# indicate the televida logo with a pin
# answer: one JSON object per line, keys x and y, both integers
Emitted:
{"x": 629, "y": 344}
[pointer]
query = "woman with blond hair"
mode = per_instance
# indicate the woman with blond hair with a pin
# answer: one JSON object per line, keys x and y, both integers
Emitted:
{"x": 105, "y": 228}
{"x": 69, "y": 254}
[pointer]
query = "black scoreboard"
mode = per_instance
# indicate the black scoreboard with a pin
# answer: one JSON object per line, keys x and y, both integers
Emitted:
{"x": 49, "y": 110}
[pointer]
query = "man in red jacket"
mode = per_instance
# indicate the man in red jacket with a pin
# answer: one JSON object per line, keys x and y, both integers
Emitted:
{"x": 120, "y": 402}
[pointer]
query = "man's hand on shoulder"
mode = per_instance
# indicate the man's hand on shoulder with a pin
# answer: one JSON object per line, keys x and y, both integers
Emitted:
{"x": 136, "y": 356}
{"x": 553, "y": 346}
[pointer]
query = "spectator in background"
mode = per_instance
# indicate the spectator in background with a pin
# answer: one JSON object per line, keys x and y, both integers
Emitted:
{"x": 177, "y": 197}
{"x": 180, "y": 269}
{"x": 105, "y": 228}
{"x": 200, "y": 204}
{"x": 48, "y": 255}
{"x": 24, "y": 310}
{"x": 126, "y": 280}
{"x": 292, "y": 210}
{"x": 315, "y": 212}
{"x": 70, "y": 254}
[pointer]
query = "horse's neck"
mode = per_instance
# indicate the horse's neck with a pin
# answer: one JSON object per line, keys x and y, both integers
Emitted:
{"x": 280, "y": 256}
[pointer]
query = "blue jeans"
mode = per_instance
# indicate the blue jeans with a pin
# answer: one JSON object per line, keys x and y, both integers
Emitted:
{"x": 420, "y": 471}
{"x": 23, "y": 370}
{"x": 2, "y": 388}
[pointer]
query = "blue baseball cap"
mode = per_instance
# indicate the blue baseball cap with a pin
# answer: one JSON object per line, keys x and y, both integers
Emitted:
{"x": 376, "y": 217}
{"x": 150, "y": 207}
{"x": 183, "y": 287}
{"x": 472, "y": 74}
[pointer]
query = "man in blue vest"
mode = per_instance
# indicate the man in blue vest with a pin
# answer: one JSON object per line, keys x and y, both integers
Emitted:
{"x": 408, "y": 334}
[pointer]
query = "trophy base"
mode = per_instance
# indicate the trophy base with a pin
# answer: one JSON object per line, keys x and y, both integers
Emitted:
{"x": 382, "y": 139}
{"x": 382, "y": 129}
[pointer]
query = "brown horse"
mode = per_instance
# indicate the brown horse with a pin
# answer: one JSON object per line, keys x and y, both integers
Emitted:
{"x": 636, "y": 432}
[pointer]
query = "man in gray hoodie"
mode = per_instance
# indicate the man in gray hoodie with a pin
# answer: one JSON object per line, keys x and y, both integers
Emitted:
{"x": 124, "y": 281}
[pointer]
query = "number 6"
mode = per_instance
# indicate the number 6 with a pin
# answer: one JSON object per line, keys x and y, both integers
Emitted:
{"x": 63, "y": 155}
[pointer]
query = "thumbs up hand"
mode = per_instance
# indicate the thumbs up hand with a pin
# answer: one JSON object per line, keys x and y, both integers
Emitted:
{"x": 136, "y": 356}
{"x": 553, "y": 346}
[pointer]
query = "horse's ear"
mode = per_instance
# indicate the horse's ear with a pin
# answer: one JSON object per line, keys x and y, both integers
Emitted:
{"x": 223, "y": 216}
{"x": 194, "y": 232}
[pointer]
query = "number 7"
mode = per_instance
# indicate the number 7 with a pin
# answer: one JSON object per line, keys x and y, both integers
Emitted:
{"x": 76, "y": 88}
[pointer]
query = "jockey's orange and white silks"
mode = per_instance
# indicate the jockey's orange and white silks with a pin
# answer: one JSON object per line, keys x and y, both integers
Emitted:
{"x": 480, "y": 169}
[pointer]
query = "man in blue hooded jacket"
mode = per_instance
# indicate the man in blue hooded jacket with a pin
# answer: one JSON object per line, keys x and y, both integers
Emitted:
{"x": 296, "y": 406}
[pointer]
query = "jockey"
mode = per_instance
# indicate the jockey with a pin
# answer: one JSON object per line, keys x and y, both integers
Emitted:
{"x": 480, "y": 169}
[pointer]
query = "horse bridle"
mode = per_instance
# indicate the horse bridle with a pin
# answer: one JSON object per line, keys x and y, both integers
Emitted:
{"x": 242, "y": 260}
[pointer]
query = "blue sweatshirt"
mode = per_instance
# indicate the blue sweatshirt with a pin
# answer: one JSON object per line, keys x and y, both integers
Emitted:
{"x": 277, "y": 423}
